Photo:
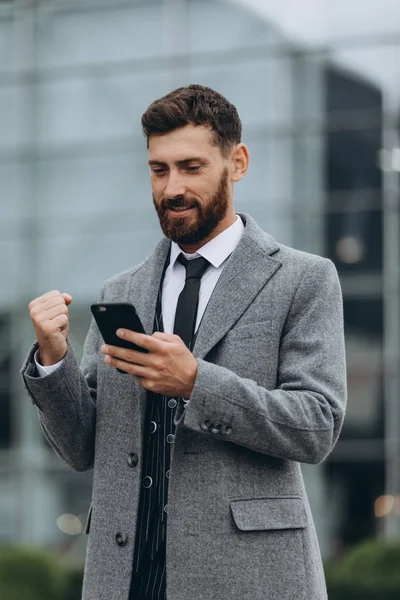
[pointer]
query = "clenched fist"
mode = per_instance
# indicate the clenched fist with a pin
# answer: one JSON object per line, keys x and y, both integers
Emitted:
{"x": 49, "y": 314}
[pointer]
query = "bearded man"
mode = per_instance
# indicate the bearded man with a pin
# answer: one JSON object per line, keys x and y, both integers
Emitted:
{"x": 196, "y": 444}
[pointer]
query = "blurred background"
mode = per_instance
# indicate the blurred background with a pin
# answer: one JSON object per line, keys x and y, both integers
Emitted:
{"x": 317, "y": 86}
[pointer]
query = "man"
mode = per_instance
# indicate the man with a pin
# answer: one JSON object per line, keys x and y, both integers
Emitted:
{"x": 196, "y": 446}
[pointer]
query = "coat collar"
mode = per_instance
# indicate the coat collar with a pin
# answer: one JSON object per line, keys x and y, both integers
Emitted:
{"x": 247, "y": 270}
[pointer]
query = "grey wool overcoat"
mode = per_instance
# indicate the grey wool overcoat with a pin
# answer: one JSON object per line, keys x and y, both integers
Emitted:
{"x": 270, "y": 393}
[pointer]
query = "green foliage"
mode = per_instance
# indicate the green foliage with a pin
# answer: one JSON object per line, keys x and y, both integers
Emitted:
{"x": 369, "y": 571}
{"x": 27, "y": 573}
{"x": 74, "y": 584}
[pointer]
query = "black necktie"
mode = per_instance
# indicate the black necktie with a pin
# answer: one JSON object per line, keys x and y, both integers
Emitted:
{"x": 186, "y": 310}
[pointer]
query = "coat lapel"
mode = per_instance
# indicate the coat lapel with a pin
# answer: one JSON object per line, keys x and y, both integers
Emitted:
{"x": 143, "y": 292}
{"x": 146, "y": 282}
{"x": 247, "y": 270}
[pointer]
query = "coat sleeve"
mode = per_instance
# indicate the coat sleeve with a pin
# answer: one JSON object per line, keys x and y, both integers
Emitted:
{"x": 66, "y": 401}
{"x": 301, "y": 419}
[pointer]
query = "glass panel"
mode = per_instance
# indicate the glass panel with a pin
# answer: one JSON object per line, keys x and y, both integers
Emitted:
{"x": 74, "y": 34}
{"x": 241, "y": 27}
{"x": 364, "y": 325}
{"x": 93, "y": 186}
{"x": 96, "y": 109}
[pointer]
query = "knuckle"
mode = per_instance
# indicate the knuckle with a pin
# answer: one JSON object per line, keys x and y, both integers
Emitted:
{"x": 36, "y": 316}
{"x": 33, "y": 311}
{"x": 158, "y": 364}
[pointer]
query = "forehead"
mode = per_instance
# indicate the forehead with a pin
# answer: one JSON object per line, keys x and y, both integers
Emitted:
{"x": 182, "y": 142}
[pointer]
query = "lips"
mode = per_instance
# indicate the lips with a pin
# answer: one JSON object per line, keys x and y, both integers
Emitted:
{"x": 182, "y": 207}
{"x": 180, "y": 212}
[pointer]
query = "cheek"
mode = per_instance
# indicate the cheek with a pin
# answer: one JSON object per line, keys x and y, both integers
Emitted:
{"x": 157, "y": 189}
{"x": 203, "y": 191}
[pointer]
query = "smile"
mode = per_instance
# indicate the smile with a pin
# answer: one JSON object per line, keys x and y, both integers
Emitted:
{"x": 180, "y": 212}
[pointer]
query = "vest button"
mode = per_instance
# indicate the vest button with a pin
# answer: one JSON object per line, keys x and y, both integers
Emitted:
{"x": 170, "y": 438}
{"x": 147, "y": 481}
{"x": 132, "y": 459}
{"x": 152, "y": 426}
{"x": 172, "y": 403}
{"x": 121, "y": 538}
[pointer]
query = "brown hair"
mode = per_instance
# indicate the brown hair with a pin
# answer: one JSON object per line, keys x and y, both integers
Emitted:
{"x": 198, "y": 105}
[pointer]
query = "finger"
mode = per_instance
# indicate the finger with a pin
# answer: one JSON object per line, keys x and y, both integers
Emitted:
{"x": 49, "y": 295}
{"x": 38, "y": 311}
{"x": 141, "y": 339}
{"x": 67, "y": 297}
{"x": 61, "y": 309}
{"x": 132, "y": 356}
{"x": 166, "y": 337}
{"x": 44, "y": 298}
{"x": 61, "y": 321}
{"x": 52, "y": 302}
{"x": 133, "y": 369}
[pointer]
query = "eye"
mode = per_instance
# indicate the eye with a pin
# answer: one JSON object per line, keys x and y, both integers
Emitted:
{"x": 193, "y": 169}
{"x": 158, "y": 171}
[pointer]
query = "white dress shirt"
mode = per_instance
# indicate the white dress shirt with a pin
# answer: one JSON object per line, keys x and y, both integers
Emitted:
{"x": 216, "y": 251}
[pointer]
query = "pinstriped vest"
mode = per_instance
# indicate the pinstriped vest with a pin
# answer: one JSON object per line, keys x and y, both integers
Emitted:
{"x": 158, "y": 439}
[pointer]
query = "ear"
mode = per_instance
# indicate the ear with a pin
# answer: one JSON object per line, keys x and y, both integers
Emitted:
{"x": 240, "y": 159}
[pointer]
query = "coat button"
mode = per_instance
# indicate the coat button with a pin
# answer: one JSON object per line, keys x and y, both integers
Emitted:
{"x": 170, "y": 438}
{"x": 226, "y": 430}
{"x": 206, "y": 424}
{"x": 132, "y": 459}
{"x": 172, "y": 403}
{"x": 121, "y": 538}
{"x": 216, "y": 428}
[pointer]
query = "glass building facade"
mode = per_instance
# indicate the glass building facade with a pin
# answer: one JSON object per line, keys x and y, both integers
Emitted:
{"x": 319, "y": 106}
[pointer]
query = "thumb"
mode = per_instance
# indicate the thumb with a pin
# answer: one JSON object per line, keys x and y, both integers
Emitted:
{"x": 67, "y": 297}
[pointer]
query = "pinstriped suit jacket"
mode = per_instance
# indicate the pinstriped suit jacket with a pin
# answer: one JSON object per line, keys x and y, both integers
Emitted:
{"x": 270, "y": 393}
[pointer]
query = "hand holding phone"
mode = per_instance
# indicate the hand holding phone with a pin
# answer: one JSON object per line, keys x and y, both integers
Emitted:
{"x": 117, "y": 315}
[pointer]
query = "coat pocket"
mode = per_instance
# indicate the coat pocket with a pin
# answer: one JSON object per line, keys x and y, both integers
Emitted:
{"x": 257, "y": 329}
{"x": 88, "y": 521}
{"x": 279, "y": 512}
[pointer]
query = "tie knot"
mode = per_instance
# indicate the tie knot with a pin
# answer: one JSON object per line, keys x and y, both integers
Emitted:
{"x": 195, "y": 267}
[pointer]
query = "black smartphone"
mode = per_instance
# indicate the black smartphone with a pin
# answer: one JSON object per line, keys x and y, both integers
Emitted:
{"x": 117, "y": 315}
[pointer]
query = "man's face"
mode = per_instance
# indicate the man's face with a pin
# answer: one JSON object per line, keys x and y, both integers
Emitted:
{"x": 188, "y": 171}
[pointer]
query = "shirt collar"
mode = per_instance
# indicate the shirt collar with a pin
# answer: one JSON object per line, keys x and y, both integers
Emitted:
{"x": 216, "y": 250}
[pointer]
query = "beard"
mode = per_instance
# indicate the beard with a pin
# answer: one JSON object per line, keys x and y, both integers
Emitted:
{"x": 195, "y": 227}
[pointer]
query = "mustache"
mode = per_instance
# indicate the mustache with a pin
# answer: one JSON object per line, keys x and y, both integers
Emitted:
{"x": 177, "y": 203}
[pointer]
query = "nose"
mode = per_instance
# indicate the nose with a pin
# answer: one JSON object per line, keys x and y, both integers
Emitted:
{"x": 175, "y": 186}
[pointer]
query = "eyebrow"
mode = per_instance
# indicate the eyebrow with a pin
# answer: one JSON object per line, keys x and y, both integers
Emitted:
{"x": 178, "y": 162}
